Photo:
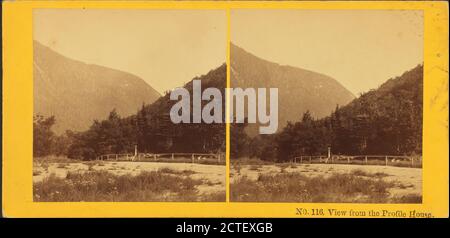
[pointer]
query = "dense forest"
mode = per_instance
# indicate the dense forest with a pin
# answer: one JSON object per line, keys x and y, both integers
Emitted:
{"x": 150, "y": 129}
{"x": 45, "y": 141}
{"x": 385, "y": 121}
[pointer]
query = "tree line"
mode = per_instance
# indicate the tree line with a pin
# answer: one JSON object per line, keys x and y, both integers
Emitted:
{"x": 383, "y": 121}
{"x": 387, "y": 120}
{"x": 150, "y": 129}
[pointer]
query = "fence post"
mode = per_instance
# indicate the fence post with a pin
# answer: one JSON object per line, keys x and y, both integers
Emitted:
{"x": 310, "y": 159}
{"x": 412, "y": 162}
{"x": 386, "y": 161}
{"x": 365, "y": 159}
{"x": 192, "y": 158}
{"x": 172, "y": 157}
{"x": 295, "y": 160}
{"x": 348, "y": 159}
{"x": 301, "y": 159}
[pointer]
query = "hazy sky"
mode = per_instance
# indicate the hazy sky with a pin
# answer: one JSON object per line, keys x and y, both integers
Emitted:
{"x": 359, "y": 48}
{"x": 166, "y": 48}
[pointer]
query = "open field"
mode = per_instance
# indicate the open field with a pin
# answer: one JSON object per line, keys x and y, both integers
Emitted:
{"x": 127, "y": 181}
{"x": 325, "y": 183}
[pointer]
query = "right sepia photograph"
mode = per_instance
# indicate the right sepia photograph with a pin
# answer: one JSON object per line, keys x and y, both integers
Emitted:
{"x": 350, "y": 106}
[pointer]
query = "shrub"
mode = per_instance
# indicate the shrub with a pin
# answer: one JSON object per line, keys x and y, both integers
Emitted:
{"x": 105, "y": 186}
{"x": 295, "y": 187}
{"x": 178, "y": 172}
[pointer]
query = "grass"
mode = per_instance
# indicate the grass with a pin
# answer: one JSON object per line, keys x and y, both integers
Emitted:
{"x": 238, "y": 168}
{"x": 249, "y": 161}
{"x": 62, "y": 166}
{"x": 381, "y": 174}
{"x": 215, "y": 197}
{"x": 104, "y": 186}
{"x": 360, "y": 172}
{"x": 176, "y": 172}
{"x": 210, "y": 183}
{"x": 295, "y": 187}
{"x": 403, "y": 186}
{"x": 54, "y": 159}
{"x": 255, "y": 167}
{"x": 93, "y": 163}
{"x": 36, "y": 172}
{"x": 409, "y": 198}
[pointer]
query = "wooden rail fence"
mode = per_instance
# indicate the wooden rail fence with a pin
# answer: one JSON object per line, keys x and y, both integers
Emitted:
{"x": 363, "y": 159}
{"x": 195, "y": 157}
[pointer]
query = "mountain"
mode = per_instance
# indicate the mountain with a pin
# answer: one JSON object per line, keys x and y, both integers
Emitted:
{"x": 383, "y": 121}
{"x": 388, "y": 119}
{"x": 77, "y": 93}
{"x": 403, "y": 91}
{"x": 158, "y": 133}
{"x": 152, "y": 130}
{"x": 299, "y": 90}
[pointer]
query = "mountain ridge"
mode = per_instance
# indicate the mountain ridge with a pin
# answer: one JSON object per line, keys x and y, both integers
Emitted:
{"x": 385, "y": 120}
{"x": 300, "y": 90}
{"x": 77, "y": 93}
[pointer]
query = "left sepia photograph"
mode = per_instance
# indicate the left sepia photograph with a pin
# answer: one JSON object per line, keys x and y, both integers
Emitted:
{"x": 103, "y": 129}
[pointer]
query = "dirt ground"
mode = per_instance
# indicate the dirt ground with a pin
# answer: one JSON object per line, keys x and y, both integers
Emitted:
{"x": 408, "y": 180}
{"x": 213, "y": 176}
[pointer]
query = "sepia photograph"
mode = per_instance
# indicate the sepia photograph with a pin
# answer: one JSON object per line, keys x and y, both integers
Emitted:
{"x": 104, "y": 83}
{"x": 350, "y": 105}
{"x": 225, "y": 109}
